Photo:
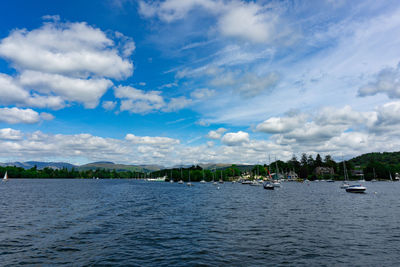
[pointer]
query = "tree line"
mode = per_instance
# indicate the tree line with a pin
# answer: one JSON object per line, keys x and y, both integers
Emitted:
{"x": 372, "y": 165}
{"x": 19, "y": 172}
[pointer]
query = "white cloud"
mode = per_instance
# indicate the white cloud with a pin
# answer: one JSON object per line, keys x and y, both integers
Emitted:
{"x": 281, "y": 124}
{"x": 235, "y": 139}
{"x": 387, "y": 81}
{"x": 75, "y": 49}
{"x": 239, "y": 19}
{"x": 11, "y": 93}
{"x": 148, "y": 140}
{"x": 177, "y": 103}
{"x": 109, "y": 105}
{"x": 216, "y": 134}
{"x": 138, "y": 101}
{"x": 86, "y": 91}
{"x": 10, "y": 134}
{"x": 248, "y": 21}
{"x": 202, "y": 93}
{"x": 16, "y": 115}
{"x": 62, "y": 62}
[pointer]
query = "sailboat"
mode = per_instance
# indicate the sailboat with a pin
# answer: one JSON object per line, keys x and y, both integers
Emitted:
{"x": 352, "y": 188}
{"x": 5, "y": 178}
{"x": 345, "y": 184}
{"x": 203, "y": 181}
{"x": 181, "y": 181}
{"x": 215, "y": 173}
{"x": 189, "y": 183}
{"x": 276, "y": 183}
{"x": 221, "y": 181}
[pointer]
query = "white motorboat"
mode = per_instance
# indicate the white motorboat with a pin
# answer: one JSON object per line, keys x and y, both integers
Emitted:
{"x": 268, "y": 186}
{"x": 344, "y": 185}
{"x": 255, "y": 183}
{"x": 356, "y": 189}
{"x": 276, "y": 184}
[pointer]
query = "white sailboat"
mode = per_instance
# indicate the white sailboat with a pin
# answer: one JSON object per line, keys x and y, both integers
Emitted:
{"x": 345, "y": 184}
{"x": 189, "y": 183}
{"x": 276, "y": 183}
{"x": 203, "y": 181}
{"x": 5, "y": 178}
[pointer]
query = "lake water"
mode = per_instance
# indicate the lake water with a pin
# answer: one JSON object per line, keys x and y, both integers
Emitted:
{"x": 138, "y": 223}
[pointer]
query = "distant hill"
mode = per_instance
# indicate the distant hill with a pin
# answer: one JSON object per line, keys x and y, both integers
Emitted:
{"x": 217, "y": 166}
{"x": 118, "y": 167}
{"x": 391, "y": 158}
{"x": 40, "y": 165}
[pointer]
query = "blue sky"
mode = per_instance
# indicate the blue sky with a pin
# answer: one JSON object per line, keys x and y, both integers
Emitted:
{"x": 197, "y": 81}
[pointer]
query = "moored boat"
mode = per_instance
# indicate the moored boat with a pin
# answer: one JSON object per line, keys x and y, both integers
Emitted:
{"x": 356, "y": 189}
{"x": 268, "y": 186}
{"x": 5, "y": 178}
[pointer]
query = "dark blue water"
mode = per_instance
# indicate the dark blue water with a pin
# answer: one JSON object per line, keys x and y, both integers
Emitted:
{"x": 137, "y": 223}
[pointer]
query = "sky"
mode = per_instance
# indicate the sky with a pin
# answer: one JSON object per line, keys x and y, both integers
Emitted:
{"x": 198, "y": 81}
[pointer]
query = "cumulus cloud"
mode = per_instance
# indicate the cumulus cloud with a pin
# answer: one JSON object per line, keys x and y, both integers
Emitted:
{"x": 65, "y": 48}
{"x": 16, "y": 115}
{"x": 109, "y": 105}
{"x": 142, "y": 102}
{"x": 60, "y": 62}
{"x": 281, "y": 124}
{"x": 10, "y": 134}
{"x": 238, "y": 19}
{"x": 216, "y": 134}
{"x": 147, "y": 140}
{"x": 235, "y": 139}
{"x": 387, "y": 82}
{"x": 86, "y": 91}
{"x": 138, "y": 101}
{"x": 248, "y": 21}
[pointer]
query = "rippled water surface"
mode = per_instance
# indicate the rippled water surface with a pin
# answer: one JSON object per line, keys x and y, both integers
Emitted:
{"x": 137, "y": 223}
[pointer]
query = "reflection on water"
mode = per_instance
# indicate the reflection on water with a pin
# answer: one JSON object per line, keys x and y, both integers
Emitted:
{"x": 127, "y": 222}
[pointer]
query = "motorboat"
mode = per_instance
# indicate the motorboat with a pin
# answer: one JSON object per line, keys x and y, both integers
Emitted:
{"x": 276, "y": 184}
{"x": 268, "y": 186}
{"x": 344, "y": 185}
{"x": 255, "y": 183}
{"x": 356, "y": 189}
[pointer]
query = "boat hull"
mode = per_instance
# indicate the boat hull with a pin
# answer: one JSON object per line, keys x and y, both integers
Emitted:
{"x": 358, "y": 189}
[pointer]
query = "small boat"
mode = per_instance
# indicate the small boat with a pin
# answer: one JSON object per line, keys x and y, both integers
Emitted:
{"x": 344, "y": 185}
{"x": 255, "y": 183}
{"x": 330, "y": 181}
{"x": 246, "y": 182}
{"x": 5, "y": 178}
{"x": 356, "y": 189}
{"x": 158, "y": 179}
{"x": 268, "y": 186}
{"x": 171, "y": 181}
{"x": 189, "y": 183}
{"x": 276, "y": 184}
{"x": 203, "y": 182}
{"x": 180, "y": 182}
